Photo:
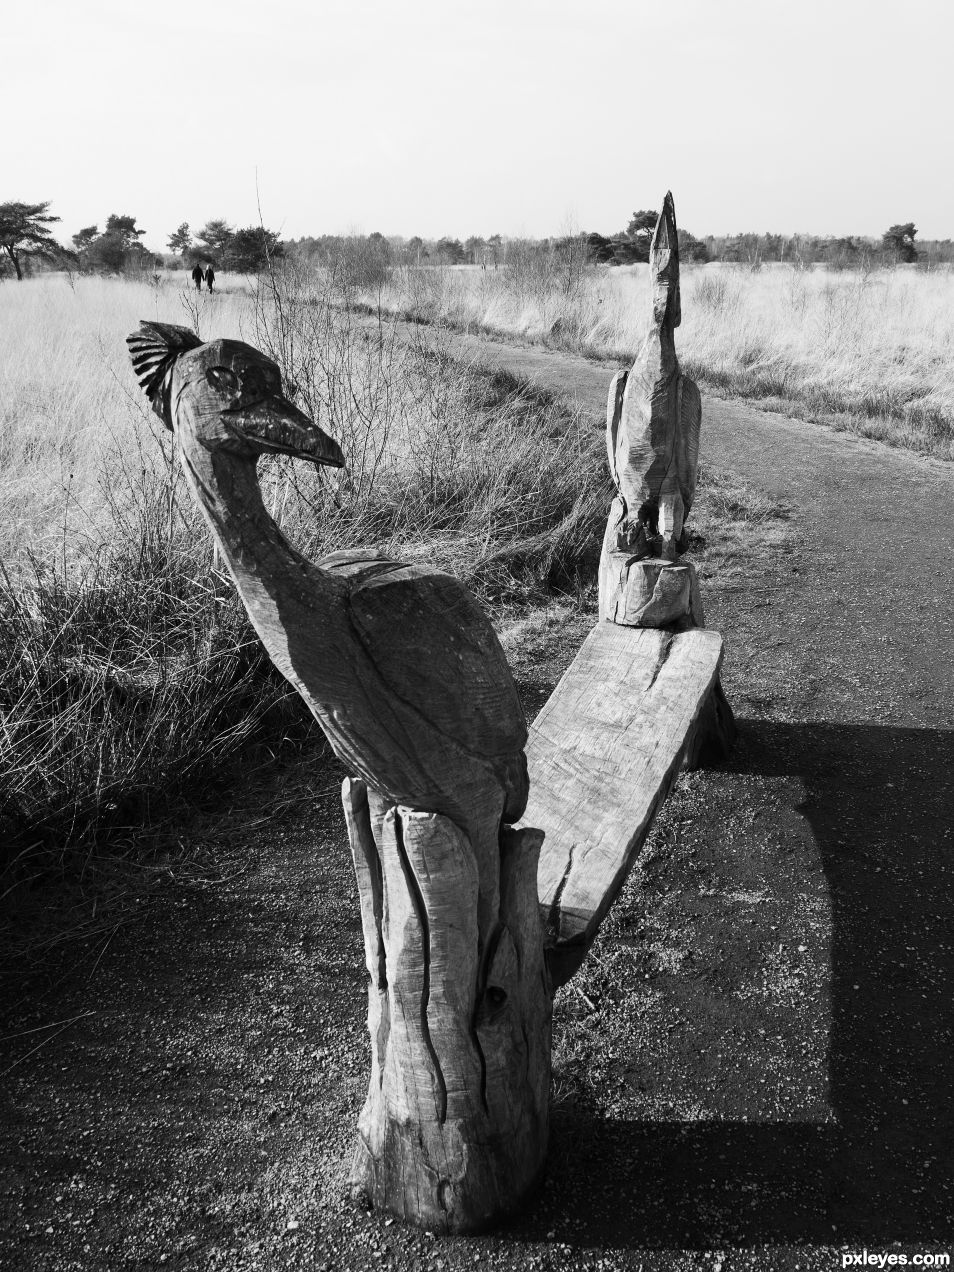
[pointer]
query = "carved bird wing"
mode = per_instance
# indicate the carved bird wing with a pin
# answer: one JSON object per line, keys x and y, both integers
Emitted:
{"x": 614, "y": 415}
{"x": 435, "y": 649}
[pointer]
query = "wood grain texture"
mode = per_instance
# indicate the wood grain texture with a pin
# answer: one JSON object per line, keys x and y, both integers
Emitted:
{"x": 454, "y": 1128}
{"x": 602, "y": 755}
{"x": 645, "y": 591}
{"x": 653, "y": 418}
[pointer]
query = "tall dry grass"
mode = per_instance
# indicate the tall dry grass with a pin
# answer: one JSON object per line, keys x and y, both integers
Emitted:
{"x": 872, "y": 352}
{"x": 69, "y": 406}
{"x": 487, "y": 476}
{"x": 128, "y": 672}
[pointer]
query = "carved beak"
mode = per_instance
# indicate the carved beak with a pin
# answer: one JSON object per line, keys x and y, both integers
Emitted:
{"x": 276, "y": 425}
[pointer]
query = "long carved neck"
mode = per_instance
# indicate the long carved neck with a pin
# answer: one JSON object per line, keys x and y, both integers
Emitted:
{"x": 230, "y": 496}
{"x": 658, "y": 355}
{"x": 273, "y": 579}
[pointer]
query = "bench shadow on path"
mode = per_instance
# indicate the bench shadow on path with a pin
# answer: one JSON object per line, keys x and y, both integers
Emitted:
{"x": 874, "y": 797}
{"x": 882, "y": 1170}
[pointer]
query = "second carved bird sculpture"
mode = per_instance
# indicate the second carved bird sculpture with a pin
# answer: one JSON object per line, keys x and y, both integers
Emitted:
{"x": 408, "y": 680}
{"x": 654, "y": 416}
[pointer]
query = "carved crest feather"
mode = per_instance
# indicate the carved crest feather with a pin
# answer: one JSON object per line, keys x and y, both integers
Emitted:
{"x": 154, "y": 350}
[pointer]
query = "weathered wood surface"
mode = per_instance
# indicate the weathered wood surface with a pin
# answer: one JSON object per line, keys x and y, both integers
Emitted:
{"x": 648, "y": 591}
{"x": 602, "y": 755}
{"x": 454, "y": 1129}
{"x": 653, "y": 419}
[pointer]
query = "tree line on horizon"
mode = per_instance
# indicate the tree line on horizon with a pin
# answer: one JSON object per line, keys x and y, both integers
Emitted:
{"x": 26, "y": 239}
{"x": 26, "y": 242}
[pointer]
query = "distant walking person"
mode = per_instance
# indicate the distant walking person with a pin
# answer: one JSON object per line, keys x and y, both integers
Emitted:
{"x": 197, "y": 276}
{"x": 210, "y": 277}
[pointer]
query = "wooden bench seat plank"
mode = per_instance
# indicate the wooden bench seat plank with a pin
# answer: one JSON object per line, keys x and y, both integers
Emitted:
{"x": 602, "y": 755}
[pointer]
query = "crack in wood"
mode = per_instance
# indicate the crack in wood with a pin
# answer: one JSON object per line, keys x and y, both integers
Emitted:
{"x": 554, "y": 919}
{"x": 420, "y": 910}
{"x": 475, "y": 1039}
{"x": 662, "y": 654}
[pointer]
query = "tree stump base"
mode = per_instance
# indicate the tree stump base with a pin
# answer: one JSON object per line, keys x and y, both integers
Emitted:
{"x": 649, "y": 592}
{"x": 453, "y": 1133}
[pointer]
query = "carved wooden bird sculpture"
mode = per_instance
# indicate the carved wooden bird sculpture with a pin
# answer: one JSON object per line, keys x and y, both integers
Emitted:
{"x": 398, "y": 663}
{"x": 653, "y": 417}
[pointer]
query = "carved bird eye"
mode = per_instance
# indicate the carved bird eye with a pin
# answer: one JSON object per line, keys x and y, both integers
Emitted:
{"x": 255, "y": 382}
{"x": 223, "y": 379}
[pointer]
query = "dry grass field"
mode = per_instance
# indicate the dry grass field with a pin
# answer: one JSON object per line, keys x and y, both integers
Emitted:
{"x": 870, "y": 352}
{"x": 128, "y": 672}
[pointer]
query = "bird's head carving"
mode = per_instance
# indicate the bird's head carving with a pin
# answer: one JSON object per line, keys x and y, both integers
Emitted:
{"x": 664, "y": 267}
{"x": 226, "y": 394}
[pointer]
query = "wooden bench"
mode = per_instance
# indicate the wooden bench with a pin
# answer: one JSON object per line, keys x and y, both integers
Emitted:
{"x": 603, "y": 754}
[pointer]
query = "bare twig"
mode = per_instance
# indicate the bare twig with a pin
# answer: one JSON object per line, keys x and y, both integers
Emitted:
{"x": 82, "y": 1016}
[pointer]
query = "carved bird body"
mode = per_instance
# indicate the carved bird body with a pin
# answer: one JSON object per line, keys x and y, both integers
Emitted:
{"x": 654, "y": 414}
{"x": 398, "y": 663}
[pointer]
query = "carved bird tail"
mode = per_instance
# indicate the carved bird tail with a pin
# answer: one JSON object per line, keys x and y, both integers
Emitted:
{"x": 664, "y": 268}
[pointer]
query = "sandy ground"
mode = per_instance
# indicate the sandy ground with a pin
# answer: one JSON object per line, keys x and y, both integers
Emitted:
{"x": 753, "y": 1069}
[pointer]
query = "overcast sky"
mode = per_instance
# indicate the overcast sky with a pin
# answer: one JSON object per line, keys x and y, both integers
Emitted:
{"x": 453, "y": 117}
